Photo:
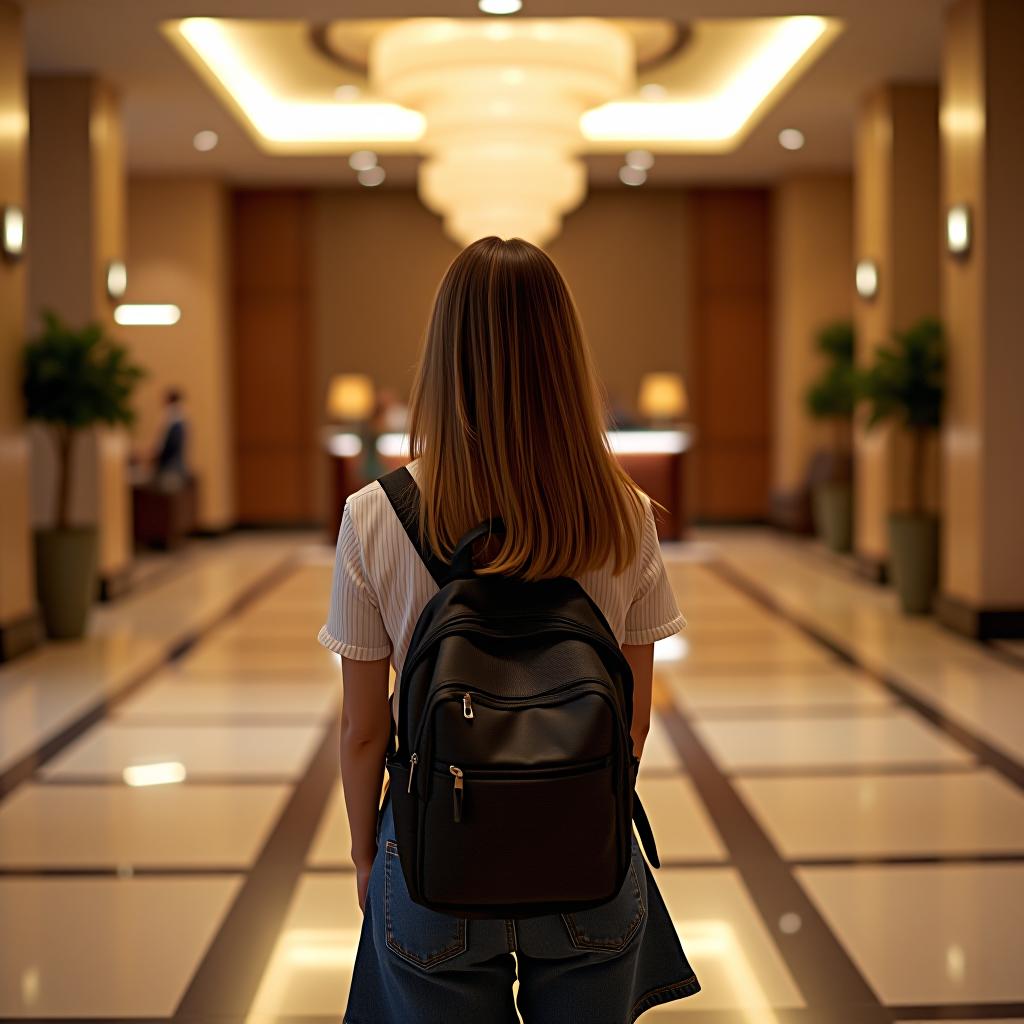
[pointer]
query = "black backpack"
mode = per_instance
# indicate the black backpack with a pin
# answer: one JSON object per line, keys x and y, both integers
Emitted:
{"x": 512, "y": 783}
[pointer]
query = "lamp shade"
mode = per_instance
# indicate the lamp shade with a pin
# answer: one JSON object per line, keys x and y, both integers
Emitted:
{"x": 662, "y": 396}
{"x": 350, "y": 396}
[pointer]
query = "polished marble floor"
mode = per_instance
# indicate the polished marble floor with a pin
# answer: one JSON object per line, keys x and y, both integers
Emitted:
{"x": 838, "y": 794}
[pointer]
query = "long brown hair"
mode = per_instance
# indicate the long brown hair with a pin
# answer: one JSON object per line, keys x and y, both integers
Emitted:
{"x": 507, "y": 421}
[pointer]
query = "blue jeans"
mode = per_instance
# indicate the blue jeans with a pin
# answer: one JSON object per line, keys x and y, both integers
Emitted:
{"x": 600, "y": 966}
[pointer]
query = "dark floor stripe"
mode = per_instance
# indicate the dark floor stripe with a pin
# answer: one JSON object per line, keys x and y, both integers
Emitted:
{"x": 821, "y": 968}
{"x": 46, "y": 751}
{"x": 227, "y": 980}
{"x": 986, "y": 753}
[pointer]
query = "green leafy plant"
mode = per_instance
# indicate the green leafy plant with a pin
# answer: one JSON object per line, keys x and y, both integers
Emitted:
{"x": 833, "y": 395}
{"x": 906, "y": 383}
{"x": 74, "y": 379}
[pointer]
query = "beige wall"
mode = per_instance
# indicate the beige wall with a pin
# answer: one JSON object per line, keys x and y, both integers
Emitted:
{"x": 17, "y": 586}
{"x": 983, "y": 165}
{"x": 896, "y": 223}
{"x": 76, "y": 186}
{"x": 812, "y": 287}
{"x": 378, "y": 258}
{"x": 177, "y": 252}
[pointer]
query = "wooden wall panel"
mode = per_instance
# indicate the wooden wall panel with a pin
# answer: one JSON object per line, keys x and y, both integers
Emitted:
{"x": 732, "y": 358}
{"x": 275, "y": 419}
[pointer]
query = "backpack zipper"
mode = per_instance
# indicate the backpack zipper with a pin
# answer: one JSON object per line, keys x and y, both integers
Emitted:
{"x": 457, "y": 790}
{"x": 413, "y": 761}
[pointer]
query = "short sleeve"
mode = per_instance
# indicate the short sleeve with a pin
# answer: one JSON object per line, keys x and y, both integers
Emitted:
{"x": 654, "y": 614}
{"x": 354, "y": 627}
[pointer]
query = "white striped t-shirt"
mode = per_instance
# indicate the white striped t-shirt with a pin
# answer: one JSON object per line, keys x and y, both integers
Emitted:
{"x": 381, "y": 586}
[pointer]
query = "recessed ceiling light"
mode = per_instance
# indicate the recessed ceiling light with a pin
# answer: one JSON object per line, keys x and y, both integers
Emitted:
{"x": 362, "y": 160}
{"x": 500, "y": 6}
{"x": 640, "y": 159}
{"x": 347, "y": 93}
{"x": 632, "y": 175}
{"x": 205, "y": 140}
{"x": 791, "y": 138}
{"x": 371, "y": 176}
{"x": 653, "y": 91}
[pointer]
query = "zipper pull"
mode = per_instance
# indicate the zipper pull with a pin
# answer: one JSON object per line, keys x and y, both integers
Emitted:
{"x": 457, "y": 792}
{"x": 467, "y": 706}
{"x": 413, "y": 761}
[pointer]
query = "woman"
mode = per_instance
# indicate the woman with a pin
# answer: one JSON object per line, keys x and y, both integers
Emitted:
{"x": 506, "y": 422}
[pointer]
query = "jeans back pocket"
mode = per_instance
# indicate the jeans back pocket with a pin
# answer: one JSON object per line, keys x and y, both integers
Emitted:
{"x": 420, "y": 936}
{"x": 609, "y": 927}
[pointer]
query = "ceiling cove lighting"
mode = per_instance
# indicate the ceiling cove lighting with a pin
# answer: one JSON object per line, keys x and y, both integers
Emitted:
{"x": 149, "y": 314}
{"x": 12, "y": 231}
{"x": 723, "y": 116}
{"x": 866, "y": 278}
{"x": 791, "y": 138}
{"x": 958, "y": 230}
{"x": 282, "y": 122}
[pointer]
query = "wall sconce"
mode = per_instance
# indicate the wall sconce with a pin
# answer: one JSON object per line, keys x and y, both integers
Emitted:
{"x": 351, "y": 398}
{"x": 958, "y": 230}
{"x": 117, "y": 279}
{"x": 662, "y": 397}
{"x": 147, "y": 314}
{"x": 866, "y": 278}
{"x": 12, "y": 232}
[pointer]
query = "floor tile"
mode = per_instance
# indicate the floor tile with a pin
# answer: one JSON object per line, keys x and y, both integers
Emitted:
{"x": 659, "y": 753}
{"x": 205, "y": 750}
{"x": 682, "y": 827}
{"x": 934, "y": 933}
{"x": 897, "y": 737}
{"x": 712, "y": 692}
{"x": 172, "y": 695}
{"x": 333, "y": 840}
{"x": 311, "y": 967}
{"x": 889, "y": 815}
{"x": 726, "y": 942}
{"x": 105, "y": 948}
{"x": 307, "y": 660}
{"x": 123, "y": 826}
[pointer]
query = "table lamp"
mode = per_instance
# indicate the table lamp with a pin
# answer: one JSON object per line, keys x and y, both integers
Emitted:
{"x": 662, "y": 397}
{"x": 351, "y": 398}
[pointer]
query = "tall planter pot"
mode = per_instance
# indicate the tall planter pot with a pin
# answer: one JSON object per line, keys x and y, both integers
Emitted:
{"x": 914, "y": 560}
{"x": 66, "y": 579}
{"x": 833, "y": 515}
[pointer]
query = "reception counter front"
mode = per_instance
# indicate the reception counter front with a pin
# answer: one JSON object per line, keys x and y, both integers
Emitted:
{"x": 655, "y": 459}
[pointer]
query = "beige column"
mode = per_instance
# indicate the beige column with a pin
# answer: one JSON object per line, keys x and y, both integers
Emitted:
{"x": 982, "y": 582}
{"x": 813, "y": 271}
{"x": 178, "y": 253}
{"x": 896, "y": 224}
{"x": 19, "y": 622}
{"x": 76, "y": 183}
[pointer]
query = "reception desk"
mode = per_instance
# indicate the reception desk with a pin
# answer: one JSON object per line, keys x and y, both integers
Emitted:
{"x": 655, "y": 459}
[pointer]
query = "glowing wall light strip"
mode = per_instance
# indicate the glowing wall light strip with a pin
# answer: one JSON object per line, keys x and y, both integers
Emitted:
{"x": 162, "y": 773}
{"x": 148, "y": 314}
{"x": 287, "y": 122}
{"x": 621, "y": 442}
{"x": 720, "y": 117}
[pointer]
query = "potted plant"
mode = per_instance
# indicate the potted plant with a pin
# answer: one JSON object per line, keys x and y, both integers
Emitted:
{"x": 906, "y": 384}
{"x": 73, "y": 380}
{"x": 831, "y": 397}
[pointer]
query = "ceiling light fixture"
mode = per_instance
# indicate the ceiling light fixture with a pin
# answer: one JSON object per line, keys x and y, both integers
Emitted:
{"x": 205, "y": 140}
{"x": 12, "y": 231}
{"x": 502, "y": 159}
{"x": 632, "y": 175}
{"x": 721, "y": 117}
{"x": 500, "y": 6}
{"x": 362, "y": 160}
{"x": 791, "y": 138}
{"x": 640, "y": 159}
{"x": 147, "y": 314}
{"x": 372, "y": 176}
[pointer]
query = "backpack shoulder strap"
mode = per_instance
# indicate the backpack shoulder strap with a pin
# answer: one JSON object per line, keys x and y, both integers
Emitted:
{"x": 404, "y": 495}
